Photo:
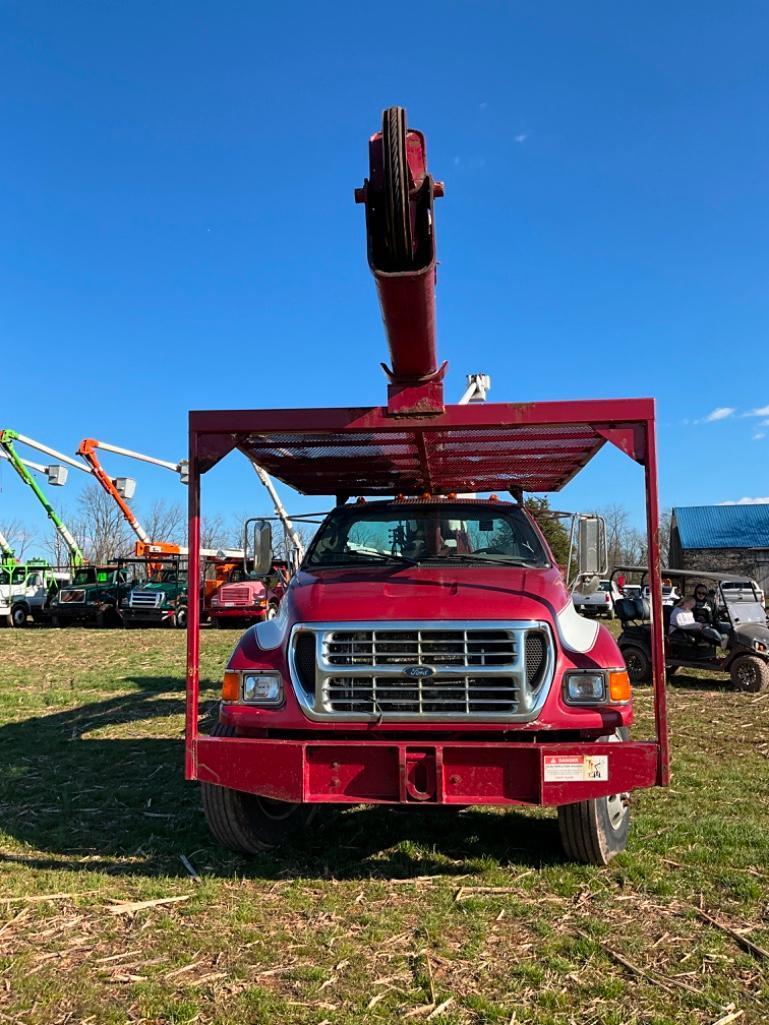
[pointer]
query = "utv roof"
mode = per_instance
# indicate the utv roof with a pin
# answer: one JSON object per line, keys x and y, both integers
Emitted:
{"x": 689, "y": 574}
{"x": 479, "y": 447}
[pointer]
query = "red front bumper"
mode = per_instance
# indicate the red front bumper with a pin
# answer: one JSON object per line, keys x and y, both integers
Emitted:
{"x": 445, "y": 772}
{"x": 246, "y": 612}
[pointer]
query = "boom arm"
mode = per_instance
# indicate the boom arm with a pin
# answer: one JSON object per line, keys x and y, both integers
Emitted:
{"x": 7, "y": 438}
{"x": 87, "y": 449}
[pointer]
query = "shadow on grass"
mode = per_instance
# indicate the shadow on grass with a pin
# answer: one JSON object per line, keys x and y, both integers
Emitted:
{"x": 83, "y": 800}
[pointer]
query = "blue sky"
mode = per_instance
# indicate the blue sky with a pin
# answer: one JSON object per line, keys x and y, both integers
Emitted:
{"x": 179, "y": 230}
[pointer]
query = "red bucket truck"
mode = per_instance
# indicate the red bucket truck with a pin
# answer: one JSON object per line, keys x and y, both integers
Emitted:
{"x": 427, "y": 651}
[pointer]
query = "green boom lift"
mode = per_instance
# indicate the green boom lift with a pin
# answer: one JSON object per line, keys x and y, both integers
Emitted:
{"x": 57, "y": 475}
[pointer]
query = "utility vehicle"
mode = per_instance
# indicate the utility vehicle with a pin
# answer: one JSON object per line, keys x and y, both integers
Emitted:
{"x": 737, "y": 615}
{"x": 159, "y": 597}
{"x": 27, "y": 589}
{"x": 427, "y": 652}
{"x": 94, "y": 596}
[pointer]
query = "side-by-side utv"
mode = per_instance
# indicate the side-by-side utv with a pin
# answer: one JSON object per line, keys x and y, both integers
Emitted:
{"x": 732, "y": 635}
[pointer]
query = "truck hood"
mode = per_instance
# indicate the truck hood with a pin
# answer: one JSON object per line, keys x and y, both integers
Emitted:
{"x": 425, "y": 592}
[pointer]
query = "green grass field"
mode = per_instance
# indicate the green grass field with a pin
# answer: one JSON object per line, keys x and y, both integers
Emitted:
{"x": 372, "y": 917}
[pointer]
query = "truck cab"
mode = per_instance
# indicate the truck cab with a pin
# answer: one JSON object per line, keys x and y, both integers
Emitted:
{"x": 160, "y": 599}
{"x": 27, "y": 589}
{"x": 94, "y": 596}
{"x": 248, "y": 597}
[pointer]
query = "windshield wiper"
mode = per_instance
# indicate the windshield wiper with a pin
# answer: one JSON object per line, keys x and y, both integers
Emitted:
{"x": 351, "y": 558}
{"x": 503, "y": 561}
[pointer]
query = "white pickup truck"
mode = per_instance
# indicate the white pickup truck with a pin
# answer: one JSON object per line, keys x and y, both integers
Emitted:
{"x": 599, "y": 602}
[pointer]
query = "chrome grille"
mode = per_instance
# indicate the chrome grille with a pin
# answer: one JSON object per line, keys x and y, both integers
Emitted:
{"x": 238, "y": 595}
{"x": 420, "y": 647}
{"x": 457, "y": 671}
{"x": 465, "y": 695}
{"x": 146, "y": 599}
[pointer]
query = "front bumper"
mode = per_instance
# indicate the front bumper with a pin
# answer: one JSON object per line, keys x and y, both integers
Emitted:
{"x": 405, "y": 772}
{"x": 150, "y": 616}
{"x": 257, "y": 615}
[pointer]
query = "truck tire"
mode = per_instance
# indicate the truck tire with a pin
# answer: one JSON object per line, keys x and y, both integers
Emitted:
{"x": 57, "y": 621}
{"x": 180, "y": 618}
{"x": 19, "y": 615}
{"x": 272, "y": 611}
{"x": 396, "y": 188}
{"x": 7, "y": 619}
{"x": 594, "y": 831}
{"x": 749, "y": 673}
{"x": 638, "y": 663}
{"x": 247, "y": 823}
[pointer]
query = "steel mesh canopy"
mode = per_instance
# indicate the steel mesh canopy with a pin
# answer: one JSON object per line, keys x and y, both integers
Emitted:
{"x": 438, "y": 461}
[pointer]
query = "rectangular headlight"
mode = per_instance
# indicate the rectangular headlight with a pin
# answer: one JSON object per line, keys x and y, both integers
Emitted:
{"x": 262, "y": 688}
{"x": 584, "y": 688}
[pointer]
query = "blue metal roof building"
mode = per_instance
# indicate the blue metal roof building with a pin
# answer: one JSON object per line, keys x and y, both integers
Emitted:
{"x": 722, "y": 526}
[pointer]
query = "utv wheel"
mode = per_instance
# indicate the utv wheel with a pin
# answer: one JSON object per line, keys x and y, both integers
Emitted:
{"x": 638, "y": 663}
{"x": 19, "y": 616}
{"x": 247, "y": 823}
{"x": 750, "y": 673}
{"x": 180, "y": 618}
{"x": 594, "y": 831}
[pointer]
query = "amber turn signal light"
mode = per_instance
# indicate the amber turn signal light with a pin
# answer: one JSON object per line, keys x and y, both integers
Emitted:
{"x": 231, "y": 686}
{"x": 619, "y": 686}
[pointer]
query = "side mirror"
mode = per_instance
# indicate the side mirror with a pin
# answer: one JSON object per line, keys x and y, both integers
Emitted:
{"x": 262, "y": 547}
{"x": 592, "y": 546}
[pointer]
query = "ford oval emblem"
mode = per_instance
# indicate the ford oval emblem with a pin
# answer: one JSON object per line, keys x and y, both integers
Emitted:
{"x": 418, "y": 672}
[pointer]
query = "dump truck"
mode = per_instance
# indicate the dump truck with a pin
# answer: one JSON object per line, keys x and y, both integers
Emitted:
{"x": 427, "y": 652}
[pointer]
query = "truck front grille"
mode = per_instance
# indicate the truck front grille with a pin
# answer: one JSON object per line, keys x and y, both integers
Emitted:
{"x": 458, "y": 672}
{"x": 146, "y": 599}
{"x": 236, "y": 595}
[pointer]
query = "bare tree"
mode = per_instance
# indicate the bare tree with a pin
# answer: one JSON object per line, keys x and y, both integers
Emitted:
{"x": 100, "y": 530}
{"x": 213, "y": 532}
{"x": 18, "y": 536}
{"x": 165, "y": 523}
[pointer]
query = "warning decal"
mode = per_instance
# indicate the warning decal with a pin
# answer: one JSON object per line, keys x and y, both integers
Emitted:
{"x": 576, "y": 768}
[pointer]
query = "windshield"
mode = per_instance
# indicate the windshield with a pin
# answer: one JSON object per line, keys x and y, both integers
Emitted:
{"x": 742, "y": 603}
{"x": 165, "y": 576}
{"x": 456, "y": 533}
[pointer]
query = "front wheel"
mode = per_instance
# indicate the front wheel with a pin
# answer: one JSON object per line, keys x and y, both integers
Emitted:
{"x": 594, "y": 831}
{"x": 638, "y": 663}
{"x": 750, "y": 673}
{"x": 247, "y": 823}
{"x": 180, "y": 618}
{"x": 19, "y": 616}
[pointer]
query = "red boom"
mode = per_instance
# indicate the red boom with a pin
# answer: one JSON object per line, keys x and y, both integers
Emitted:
{"x": 401, "y": 253}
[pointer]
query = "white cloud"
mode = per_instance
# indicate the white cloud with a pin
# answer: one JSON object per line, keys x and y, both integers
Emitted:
{"x": 521, "y": 137}
{"x": 759, "y": 435}
{"x": 748, "y": 501}
{"x": 761, "y": 411}
{"x": 720, "y": 413}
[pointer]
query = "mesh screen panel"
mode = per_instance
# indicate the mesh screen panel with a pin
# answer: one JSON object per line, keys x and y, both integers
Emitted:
{"x": 370, "y": 462}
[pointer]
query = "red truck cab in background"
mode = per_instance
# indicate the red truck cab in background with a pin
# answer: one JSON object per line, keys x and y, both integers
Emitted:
{"x": 427, "y": 652}
{"x": 247, "y": 597}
